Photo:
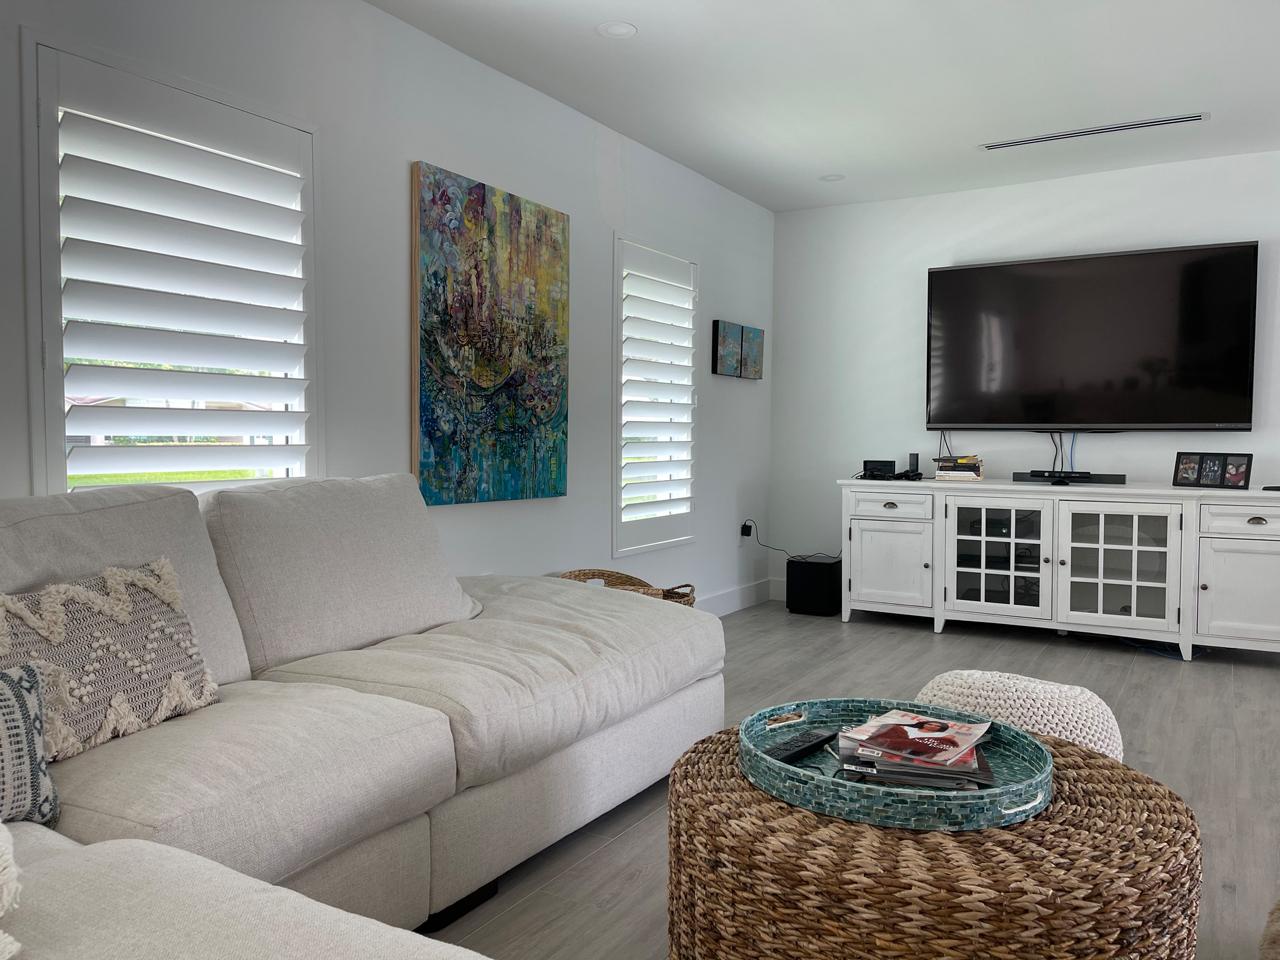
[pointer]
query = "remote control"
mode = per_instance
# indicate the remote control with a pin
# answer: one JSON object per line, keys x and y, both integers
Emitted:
{"x": 793, "y": 748}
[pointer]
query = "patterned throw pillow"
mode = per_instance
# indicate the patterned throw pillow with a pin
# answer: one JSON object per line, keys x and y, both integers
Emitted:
{"x": 116, "y": 654}
{"x": 26, "y": 790}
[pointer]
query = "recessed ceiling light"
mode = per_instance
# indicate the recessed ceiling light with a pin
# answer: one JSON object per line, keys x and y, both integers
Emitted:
{"x": 617, "y": 30}
{"x": 831, "y": 177}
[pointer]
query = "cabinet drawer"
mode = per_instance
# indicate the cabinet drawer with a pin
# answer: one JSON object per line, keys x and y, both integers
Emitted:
{"x": 895, "y": 506}
{"x": 1240, "y": 519}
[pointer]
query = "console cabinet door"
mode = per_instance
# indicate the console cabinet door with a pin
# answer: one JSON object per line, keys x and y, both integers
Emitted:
{"x": 891, "y": 562}
{"x": 1119, "y": 564}
{"x": 999, "y": 556}
{"x": 1239, "y": 589}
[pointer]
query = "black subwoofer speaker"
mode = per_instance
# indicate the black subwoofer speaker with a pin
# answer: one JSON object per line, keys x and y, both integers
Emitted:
{"x": 813, "y": 587}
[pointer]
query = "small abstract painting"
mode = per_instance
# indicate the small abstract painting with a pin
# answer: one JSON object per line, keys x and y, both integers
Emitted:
{"x": 726, "y": 358}
{"x": 490, "y": 344}
{"x": 752, "y": 353}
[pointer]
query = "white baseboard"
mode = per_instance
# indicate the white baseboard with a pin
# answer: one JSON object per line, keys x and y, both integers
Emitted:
{"x": 735, "y": 598}
{"x": 778, "y": 588}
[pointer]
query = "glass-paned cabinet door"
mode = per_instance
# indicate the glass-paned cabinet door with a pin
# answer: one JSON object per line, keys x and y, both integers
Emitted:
{"x": 1119, "y": 563}
{"x": 998, "y": 556}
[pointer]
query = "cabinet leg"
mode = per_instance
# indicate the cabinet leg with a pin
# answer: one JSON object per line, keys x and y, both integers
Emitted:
{"x": 939, "y": 623}
{"x": 1185, "y": 647}
{"x": 846, "y": 615}
{"x": 1062, "y": 633}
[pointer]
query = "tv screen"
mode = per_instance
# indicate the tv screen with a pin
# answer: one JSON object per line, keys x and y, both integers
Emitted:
{"x": 1155, "y": 340}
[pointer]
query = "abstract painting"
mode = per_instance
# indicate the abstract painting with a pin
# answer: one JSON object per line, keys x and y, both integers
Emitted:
{"x": 752, "y": 353}
{"x": 490, "y": 344}
{"x": 726, "y": 358}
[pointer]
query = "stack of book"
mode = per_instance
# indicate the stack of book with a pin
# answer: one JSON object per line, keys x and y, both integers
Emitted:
{"x": 968, "y": 467}
{"x": 910, "y": 749}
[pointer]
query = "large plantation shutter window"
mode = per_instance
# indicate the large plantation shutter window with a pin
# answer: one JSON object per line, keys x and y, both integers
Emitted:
{"x": 176, "y": 268}
{"x": 657, "y": 308}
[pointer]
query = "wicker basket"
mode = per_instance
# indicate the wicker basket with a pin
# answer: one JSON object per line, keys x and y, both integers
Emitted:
{"x": 683, "y": 593}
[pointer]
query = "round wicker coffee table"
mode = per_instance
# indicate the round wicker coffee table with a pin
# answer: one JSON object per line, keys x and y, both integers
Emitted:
{"x": 1111, "y": 868}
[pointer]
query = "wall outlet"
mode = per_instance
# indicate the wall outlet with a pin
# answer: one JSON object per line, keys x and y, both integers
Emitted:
{"x": 746, "y": 528}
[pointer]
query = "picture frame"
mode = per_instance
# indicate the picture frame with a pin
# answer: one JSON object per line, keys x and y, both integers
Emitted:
{"x": 1230, "y": 471}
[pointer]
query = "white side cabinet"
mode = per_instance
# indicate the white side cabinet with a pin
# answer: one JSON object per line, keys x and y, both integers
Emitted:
{"x": 1172, "y": 564}
{"x": 891, "y": 562}
{"x": 1239, "y": 589}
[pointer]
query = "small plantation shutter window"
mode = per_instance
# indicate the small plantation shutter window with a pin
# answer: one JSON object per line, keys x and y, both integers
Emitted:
{"x": 182, "y": 289}
{"x": 656, "y": 398}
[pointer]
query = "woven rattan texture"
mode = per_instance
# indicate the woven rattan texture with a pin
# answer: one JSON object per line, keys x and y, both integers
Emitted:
{"x": 1110, "y": 869}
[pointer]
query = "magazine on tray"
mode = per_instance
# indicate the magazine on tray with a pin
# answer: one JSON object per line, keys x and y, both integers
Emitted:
{"x": 917, "y": 736}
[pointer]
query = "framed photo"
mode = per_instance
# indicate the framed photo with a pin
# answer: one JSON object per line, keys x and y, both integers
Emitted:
{"x": 1230, "y": 470}
{"x": 1186, "y": 470}
{"x": 1239, "y": 466}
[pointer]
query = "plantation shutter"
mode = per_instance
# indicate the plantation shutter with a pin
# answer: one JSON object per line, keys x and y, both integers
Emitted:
{"x": 182, "y": 282}
{"x": 657, "y": 402}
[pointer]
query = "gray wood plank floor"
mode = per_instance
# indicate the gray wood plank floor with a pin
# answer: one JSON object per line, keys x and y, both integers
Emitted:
{"x": 1209, "y": 729}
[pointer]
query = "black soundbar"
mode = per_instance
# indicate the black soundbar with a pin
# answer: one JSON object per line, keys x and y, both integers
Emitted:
{"x": 1061, "y": 478}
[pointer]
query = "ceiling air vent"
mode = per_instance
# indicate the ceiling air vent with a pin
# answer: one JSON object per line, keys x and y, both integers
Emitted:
{"x": 1094, "y": 131}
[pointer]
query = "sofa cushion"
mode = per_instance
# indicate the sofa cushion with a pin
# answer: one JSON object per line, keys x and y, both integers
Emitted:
{"x": 144, "y": 901}
{"x": 546, "y": 664}
{"x": 33, "y": 841}
{"x": 315, "y": 566}
{"x": 65, "y": 538}
{"x": 268, "y": 780}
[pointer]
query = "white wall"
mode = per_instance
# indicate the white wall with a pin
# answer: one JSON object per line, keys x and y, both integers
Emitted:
{"x": 851, "y": 304}
{"x": 381, "y": 94}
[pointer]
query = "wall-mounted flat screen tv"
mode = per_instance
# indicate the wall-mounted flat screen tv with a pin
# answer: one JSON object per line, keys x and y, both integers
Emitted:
{"x": 1151, "y": 340}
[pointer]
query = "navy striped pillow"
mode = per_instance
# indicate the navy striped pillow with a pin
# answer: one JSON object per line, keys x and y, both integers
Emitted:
{"x": 26, "y": 789}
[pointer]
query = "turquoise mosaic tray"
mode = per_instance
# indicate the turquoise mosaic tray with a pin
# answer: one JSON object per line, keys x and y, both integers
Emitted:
{"x": 1023, "y": 769}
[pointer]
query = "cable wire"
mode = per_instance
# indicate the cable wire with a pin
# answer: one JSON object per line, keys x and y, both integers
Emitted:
{"x": 755, "y": 531}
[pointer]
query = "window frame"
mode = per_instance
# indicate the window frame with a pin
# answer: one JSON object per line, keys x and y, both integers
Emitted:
{"x": 42, "y": 252}
{"x": 666, "y": 531}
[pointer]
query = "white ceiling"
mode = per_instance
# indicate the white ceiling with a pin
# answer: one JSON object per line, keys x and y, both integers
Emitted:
{"x": 765, "y": 96}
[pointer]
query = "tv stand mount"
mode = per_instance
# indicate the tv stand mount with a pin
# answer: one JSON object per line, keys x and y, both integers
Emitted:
{"x": 1062, "y": 478}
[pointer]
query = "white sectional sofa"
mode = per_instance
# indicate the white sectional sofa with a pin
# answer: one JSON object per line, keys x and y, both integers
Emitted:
{"x": 366, "y": 751}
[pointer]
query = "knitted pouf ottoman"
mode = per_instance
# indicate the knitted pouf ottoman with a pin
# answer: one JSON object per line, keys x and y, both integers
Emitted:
{"x": 1055, "y": 709}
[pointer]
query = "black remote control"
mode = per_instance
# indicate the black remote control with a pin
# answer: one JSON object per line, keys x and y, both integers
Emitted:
{"x": 793, "y": 748}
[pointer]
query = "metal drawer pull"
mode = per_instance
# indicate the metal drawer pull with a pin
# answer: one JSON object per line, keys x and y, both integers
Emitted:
{"x": 890, "y": 505}
{"x": 1257, "y": 521}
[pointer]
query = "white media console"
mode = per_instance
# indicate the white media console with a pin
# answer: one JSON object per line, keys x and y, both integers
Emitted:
{"x": 1182, "y": 565}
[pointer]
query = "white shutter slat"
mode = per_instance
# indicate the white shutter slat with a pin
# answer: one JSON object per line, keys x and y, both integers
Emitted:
{"x": 105, "y": 341}
{"x": 659, "y": 353}
{"x": 656, "y": 470}
{"x": 142, "y": 383}
{"x": 86, "y": 260}
{"x": 657, "y": 365}
{"x": 123, "y": 227}
{"x": 656, "y": 331}
{"x": 662, "y": 489}
{"x": 108, "y": 183}
{"x": 96, "y": 139}
{"x": 654, "y": 430}
{"x": 111, "y": 303}
{"x": 655, "y": 508}
{"x": 643, "y": 410}
{"x": 173, "y": 457}
{"x": 647, "y": 309}
{"x": 176, "y": 422}
{"x": 660, "y": 450}
{"x": 660, "y": 266}
{"x": 659, "y": 392}
{"x": 650, "y": 289}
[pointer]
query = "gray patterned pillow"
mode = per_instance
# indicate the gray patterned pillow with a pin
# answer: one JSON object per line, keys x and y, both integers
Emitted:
{"x": 26, "y": 790}
{"x": 115, "y": 651}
